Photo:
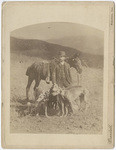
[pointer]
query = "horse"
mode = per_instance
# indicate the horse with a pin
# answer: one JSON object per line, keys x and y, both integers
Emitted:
{"x": 40, "y": 71}
{"x": 76, "y": 63}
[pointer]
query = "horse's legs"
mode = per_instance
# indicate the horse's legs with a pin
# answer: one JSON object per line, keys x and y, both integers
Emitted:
{"x": 30, "y": 80}
{"x": 36, "y": 94}
{"x": 37, "y": 81}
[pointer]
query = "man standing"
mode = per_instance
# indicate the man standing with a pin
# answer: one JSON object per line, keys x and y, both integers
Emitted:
{"x": 61, "y": 74}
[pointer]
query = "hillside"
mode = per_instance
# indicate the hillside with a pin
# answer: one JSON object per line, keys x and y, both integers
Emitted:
{"x": 45, "y": 50}
{"x": 78, "y": 36}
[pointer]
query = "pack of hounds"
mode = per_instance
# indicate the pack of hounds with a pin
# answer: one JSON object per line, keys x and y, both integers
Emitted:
{"x": 58, "y": 101}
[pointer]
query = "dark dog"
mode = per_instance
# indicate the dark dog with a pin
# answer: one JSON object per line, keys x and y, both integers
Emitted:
{"x": 59, "y": 101}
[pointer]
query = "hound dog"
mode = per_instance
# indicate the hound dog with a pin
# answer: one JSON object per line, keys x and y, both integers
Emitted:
{"x": 72, "y": 98}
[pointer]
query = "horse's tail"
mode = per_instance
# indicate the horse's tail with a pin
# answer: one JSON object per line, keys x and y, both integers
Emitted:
{"x": 30, "y": 69}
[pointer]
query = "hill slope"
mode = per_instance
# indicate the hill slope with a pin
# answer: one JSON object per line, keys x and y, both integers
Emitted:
{"x": 77, "y": 36}
{"x": 45, "y": 50}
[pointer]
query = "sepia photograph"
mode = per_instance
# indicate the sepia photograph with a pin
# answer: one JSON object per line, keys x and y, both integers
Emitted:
{"x": 56, "y": 79}
{"x": 56, "y": 71}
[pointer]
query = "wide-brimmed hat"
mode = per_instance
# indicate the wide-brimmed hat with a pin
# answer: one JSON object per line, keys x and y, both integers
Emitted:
{"x": 62, "y": 53}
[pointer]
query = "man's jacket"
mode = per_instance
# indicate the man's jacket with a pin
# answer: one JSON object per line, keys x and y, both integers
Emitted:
{"x": 62, "y": 75}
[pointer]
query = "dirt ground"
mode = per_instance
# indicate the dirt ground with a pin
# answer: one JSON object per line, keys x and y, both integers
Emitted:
{"x": 84, "y": 122}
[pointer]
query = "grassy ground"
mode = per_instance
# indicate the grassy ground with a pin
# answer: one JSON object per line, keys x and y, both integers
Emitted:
{"x": 89, "y": 122}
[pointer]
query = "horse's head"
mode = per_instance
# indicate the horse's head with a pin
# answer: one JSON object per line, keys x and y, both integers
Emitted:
{"x": 75, "y": 62}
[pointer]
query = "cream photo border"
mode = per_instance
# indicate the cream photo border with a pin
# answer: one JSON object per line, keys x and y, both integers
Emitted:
{"x": 94, "y": 14}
